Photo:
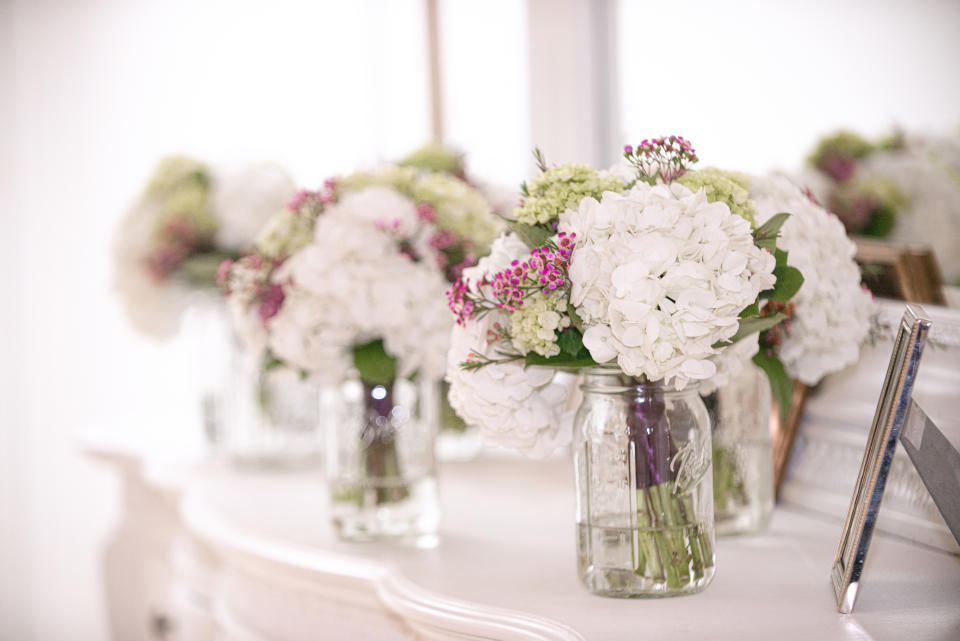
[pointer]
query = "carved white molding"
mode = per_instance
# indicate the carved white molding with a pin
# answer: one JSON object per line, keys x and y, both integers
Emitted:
{"x": 284, "y": 592}
{"x": 252, "y": 558}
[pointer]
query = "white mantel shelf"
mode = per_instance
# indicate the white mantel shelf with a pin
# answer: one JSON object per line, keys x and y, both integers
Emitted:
{"x": 257, "y": 559}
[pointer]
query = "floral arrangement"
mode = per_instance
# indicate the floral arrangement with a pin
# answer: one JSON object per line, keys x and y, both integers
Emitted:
{"x": 865, "y": 205}
{"x": 649, "y": 269}
{"x": 644, "y": 273}
{"x": 187, "y": 220}
{"x": 827, "y": 321}
{"x": 351, "y": 278}
{"x": 905, "y": 187}
{"x": 353, "y": 274}
{"x": 829, "y": 318}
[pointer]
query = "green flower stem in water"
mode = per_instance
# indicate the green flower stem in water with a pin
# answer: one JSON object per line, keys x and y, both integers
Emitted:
{"x": 670, "y": 546}
{"x": 700, "y": 546}
{"x": 381, "y": 461}
{"x": 728, "y": 489}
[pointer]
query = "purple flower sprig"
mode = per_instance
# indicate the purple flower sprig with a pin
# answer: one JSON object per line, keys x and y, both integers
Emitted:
{"x": 664, "y": 159}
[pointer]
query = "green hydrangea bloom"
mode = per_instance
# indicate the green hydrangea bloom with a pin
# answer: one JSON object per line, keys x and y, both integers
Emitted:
{"x": 844, "y": 144}
{"x": 176, "y": 172}
{"x": 883, "y": 190}
{"x": 458, "y": 207}
{"x": 399, "y": 178}
{"x": 561, "y": 188}
{"x": 285, "y": 232}
{"x": 534, "y": 327}
{"x": 180, "y": 186}
{"x": 732, "y": 188}
{"x": 435, "y": 157}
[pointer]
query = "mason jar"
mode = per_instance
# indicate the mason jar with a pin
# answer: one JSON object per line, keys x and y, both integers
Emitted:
{"x": 267, "y": 418}
{"x": 644, "y": 506}
{"x": 743, "y": 491}
{"x": 380, "y": 460}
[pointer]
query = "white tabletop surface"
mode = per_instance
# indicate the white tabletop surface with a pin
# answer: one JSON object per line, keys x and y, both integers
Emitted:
{"x": 507, "y": 541}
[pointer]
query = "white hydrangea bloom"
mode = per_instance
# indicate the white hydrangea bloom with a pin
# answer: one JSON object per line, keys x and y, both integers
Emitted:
{"x": 659, "y": 275}
{"x": 352, "y": 284}
{"x": 530, "y": 409}
{"x": 244, "y": 200}
{"x": 622, "y": 170}
{"x": 153, "y": 307}
{"x": 730, "y": 363}
{"x": 832, "y": 314}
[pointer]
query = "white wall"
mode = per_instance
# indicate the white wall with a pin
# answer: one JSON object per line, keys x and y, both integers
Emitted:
{"x": 483, "y": 50}
{"x": 754, "y": 83}
{"x": 93, "y": 93}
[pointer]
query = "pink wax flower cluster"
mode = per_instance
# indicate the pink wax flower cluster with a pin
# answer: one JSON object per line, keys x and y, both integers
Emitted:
{"x": 305, "y": 198}
{"x": 175, "y": 241}
{"x": 545, "y": 271}
{"x": 449, "y": 251}
{"x": 250, "y": 276}
{"x": 665, "y": 158}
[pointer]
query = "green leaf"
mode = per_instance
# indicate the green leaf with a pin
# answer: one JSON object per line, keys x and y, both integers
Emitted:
{"x": 780, "y": 384}
{"x": 752, "y": 310}
{"x": 582, "y": 359}
{"x": 570, "y": 341}
{"x": 374, "y": 364}
{"x": 270, "y": 361}
{"x": 789, "y": 280}
{"x": 765, "y": 236}
{"x": 881, "y": 223}
{"x": 533, "y": 236}
{"x": 753, "y": 324}
{"x": 575, "y": 319}
{"x": 200, "y": 269}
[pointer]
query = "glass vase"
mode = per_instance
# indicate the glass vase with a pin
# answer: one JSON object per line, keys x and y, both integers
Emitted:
{"x": 643, "y": 483}
{"x": 381, "y": 463}
{"x": 743, "y": 493}
{"x": 268, "y": 418}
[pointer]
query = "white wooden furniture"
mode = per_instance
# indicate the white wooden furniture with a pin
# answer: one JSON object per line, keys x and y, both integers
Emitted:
{"x": 204, "y": 553}
{"x": 836, "y": 421}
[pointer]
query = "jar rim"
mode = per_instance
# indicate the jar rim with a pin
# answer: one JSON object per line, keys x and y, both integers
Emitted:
{"x": 620, "y": 384}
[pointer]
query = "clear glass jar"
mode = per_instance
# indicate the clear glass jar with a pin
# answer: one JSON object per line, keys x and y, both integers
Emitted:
{"x": 267, "y": 419}
{"x": 381, "y": 463}
{"x": 209, "y": 343}
{"x": 643, "y": 481}
{"x": 743, "y": 493}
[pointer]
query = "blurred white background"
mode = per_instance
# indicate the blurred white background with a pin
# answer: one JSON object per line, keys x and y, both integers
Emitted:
{"x": 95, "y": 92}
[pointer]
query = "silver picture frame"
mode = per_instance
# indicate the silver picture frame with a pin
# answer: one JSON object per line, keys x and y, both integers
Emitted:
{"x": 889, "y": 419}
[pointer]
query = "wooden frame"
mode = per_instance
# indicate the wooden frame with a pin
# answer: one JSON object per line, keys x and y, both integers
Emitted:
{"x": 784, "y": 433}
{"x": 904, "y": 272}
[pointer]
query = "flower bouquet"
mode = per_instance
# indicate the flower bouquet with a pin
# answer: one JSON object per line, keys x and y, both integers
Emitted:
{"x": 346, "y": 286}
{"x": 187, "y": 221}
{"x": 826, "y": 321}
{"x": 636, "y": 281}
{"x": 905, "y": 188}
{"x": 167, "y": 250}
